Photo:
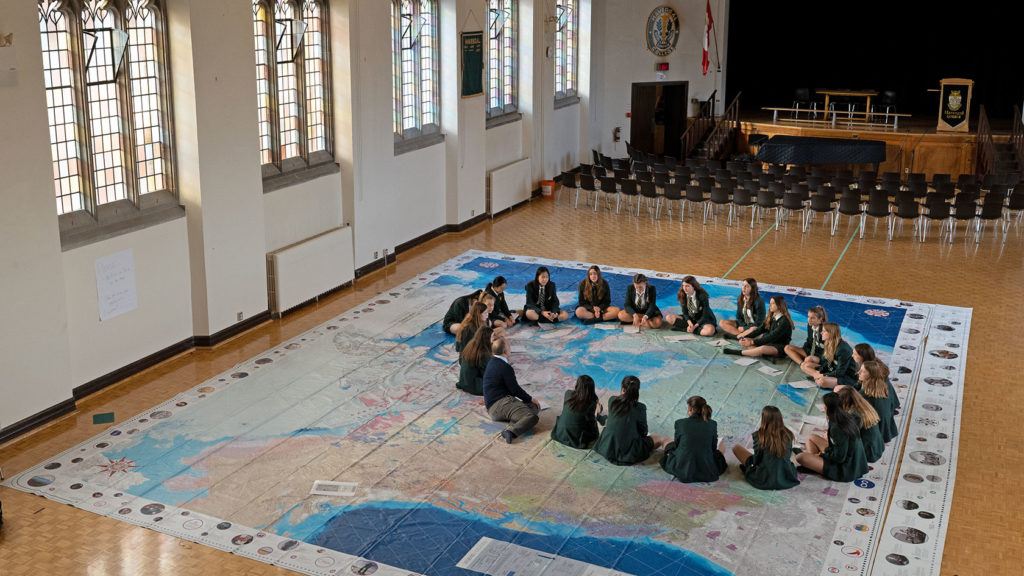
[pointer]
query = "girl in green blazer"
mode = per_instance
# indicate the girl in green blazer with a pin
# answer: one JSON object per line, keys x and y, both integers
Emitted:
{"x": 695, "y": 315}
{"x": 576, "y": 426}
{"x": 809, "y": 355}
{"x": 695, "y": 455}
{"x": 473, "y": 361}
{"x": 750, "y": 312}
{"x": 770, "y": 338}
{"x": 862, "y": 353}
{"x": 594, "y": 302}
{"x": 837, "y": 365}
{"x": 457, "y": 311}
{"x": 870, "y": 433}
{"x": 840, "y": 457}
{"x": 542, "y": 299}
{"x": 624, "y": 439}
{"x": 474, "y": 320}
{"x": 641, "y": 306}
{"x": 769, "y": 467}
{"x": 875, "y": 386}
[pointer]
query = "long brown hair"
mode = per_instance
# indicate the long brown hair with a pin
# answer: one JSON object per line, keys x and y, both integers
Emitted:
{"x": 754, "y": 295}
{"x": 780, "y": 305}
{"x": 593, "y": 291}
{"x": 773, "y": 436}
{"x": 700, "y": 407}
{"x": 854, "y": 402}
{"x": 583, "y": 396}
{"x": 865, "y": 351}
{"x": 473, "y": 319}
{"x": 697, "y": 289}
{"x": 835, "y": 336}
{"x": 875, "y": 386}
{"x": 478, "y": 351}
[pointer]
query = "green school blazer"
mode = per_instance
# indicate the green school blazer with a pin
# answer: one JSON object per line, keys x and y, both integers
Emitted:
{"x": 624, "y": 439}
{"x": 704, "y": 314}
{"x": 841, "y": 366}
{"x": 779, "y": 333}
{"x": 766, "y": 471}
{"x": 844, "y": 459}
{"x": 471, "y": 377}
{"x": 577, "y": 429}
{"x": 873, "y": 443}
{"x": 693, "y": 456}
{"x": 757, "y": 307}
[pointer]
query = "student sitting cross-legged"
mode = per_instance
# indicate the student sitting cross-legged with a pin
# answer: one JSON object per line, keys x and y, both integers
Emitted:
{"x": 695, "y": 315}
{"x": 641, "y": 306}
{"x": 595, "y": 299}
{"x": 695, "y": 455}
{"x": 749, "y": 312}
{"x": 542, "y": 299}
{"x": 769, "y": 467}
{"x": 771, "y": 338}
{"x": 862, "y": 353}
{"x": 458, "y": 310}
{"x": 505, "y": 400}
{"x": 576, "y": 426}
{"x": 870, "y": 433}
{"x": 840, "y": 457}
{"x": 501, "y": 316}
{"x": 624, "y": 439}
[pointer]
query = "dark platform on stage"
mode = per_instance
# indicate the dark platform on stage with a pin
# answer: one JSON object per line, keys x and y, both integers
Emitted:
{"x": 809, "y": 150}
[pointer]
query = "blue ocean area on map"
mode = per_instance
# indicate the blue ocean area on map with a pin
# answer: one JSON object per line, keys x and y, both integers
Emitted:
{"x": 430, "y": 540}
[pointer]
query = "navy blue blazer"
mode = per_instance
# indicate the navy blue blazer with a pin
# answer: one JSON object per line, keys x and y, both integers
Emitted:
{"x": 500, "y": 381}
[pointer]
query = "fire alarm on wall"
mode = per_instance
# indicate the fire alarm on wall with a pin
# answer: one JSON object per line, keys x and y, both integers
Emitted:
{"x": 661, "y": 66}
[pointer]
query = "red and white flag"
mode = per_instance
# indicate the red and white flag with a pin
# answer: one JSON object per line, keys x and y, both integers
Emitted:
{"x": 708, "y": 21}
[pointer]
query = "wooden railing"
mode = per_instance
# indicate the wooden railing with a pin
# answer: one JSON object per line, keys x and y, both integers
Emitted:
{"x": 986, "y": 159}
{"x": 1017, "y": 136}
{"x": 705, "y": 121}
{"x": 726, "y": 129}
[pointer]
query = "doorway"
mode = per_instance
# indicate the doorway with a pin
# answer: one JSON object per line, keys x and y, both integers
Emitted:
{"x": 658, "y": 117}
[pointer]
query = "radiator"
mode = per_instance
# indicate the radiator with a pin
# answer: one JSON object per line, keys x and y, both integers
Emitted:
{"x": 303, "y": 271}
{"x": 508, "y": 185}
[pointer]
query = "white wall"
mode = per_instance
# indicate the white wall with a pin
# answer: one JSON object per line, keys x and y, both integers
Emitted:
{"x": 623, "y": 58}
{"x": 34, "y": 348}
{"x": 163, "y": 316}
{"x": 302, "y": 211}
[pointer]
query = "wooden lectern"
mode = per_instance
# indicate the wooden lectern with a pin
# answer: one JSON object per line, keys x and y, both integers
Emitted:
{"x": 954, "y": 104}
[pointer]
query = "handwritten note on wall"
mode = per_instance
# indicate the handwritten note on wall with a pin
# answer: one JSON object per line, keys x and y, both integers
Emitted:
{"x": 115, "y": 284}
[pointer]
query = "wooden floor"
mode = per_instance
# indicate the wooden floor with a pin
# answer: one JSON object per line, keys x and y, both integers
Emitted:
{"x": 41, "y": 537}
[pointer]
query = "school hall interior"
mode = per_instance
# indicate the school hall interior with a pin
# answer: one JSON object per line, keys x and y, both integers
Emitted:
{"x": 394, "y": 156}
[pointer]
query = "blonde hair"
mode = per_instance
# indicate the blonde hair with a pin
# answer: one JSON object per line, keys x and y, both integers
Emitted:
{"x": 834, "y": 338}
{"x": 853, "y": 401}
{"x": 876, "y": 386}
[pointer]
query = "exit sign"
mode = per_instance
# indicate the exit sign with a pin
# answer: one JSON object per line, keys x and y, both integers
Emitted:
{"x": 661, "y": 66}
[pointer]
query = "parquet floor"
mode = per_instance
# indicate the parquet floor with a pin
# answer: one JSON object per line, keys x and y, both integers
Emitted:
{"x": 41, "y": 537}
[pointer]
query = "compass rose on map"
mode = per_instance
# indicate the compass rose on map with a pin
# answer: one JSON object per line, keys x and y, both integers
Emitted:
{"x": 114, "y": 466}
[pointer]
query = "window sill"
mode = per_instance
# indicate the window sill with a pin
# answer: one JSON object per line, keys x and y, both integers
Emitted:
{"x": 495, "y": 121}
{"x": 418, "y": 143}
{"x": 79, "y": 228}
{"x": 566, "y": 101}
{"x": 293, "y": 177}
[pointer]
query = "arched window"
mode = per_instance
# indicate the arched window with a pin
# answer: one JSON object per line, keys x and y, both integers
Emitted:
{"x": 502, "y": 57}
{"x": 292, "y": 86}
{"x": 566, "y": 48}
{"x": 105, "y": 75}
{"x": 414, "y": 39}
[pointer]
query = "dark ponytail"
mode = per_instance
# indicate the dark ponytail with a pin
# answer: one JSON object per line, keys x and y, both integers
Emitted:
{"x": 700, "y": 407}
{"x": 630, "y": 397}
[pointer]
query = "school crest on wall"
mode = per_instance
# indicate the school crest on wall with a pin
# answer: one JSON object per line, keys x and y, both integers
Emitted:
{"x": 662, "y": 31}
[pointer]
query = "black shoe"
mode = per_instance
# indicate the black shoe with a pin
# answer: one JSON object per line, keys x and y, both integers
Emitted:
{"x": 732, "y": 351}
{"x": 508, "y": 435}
{"x": 730, "y": 337}
{"x": 797, "y": 450}
{"x": 591, "y": 321}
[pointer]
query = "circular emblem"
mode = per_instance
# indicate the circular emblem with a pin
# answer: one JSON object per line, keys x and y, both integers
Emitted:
{"x": 662, "y": 31}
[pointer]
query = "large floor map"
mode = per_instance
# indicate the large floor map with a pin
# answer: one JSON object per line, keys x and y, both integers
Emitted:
{"x": 369, "y": 398}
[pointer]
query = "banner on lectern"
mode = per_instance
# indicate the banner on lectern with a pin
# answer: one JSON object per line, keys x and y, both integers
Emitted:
{"x": 955, "y": 104}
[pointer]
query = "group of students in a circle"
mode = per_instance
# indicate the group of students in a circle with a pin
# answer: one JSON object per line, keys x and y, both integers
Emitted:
{"x": 860, "y": 410}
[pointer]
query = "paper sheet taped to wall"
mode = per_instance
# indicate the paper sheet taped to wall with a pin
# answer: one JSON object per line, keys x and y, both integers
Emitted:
{"x": 115, "y": 284}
